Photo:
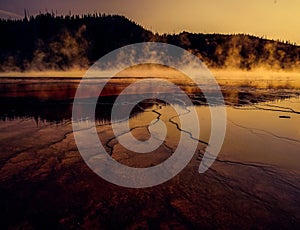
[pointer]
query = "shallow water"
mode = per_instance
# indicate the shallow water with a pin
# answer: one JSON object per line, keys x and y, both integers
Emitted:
{"x": 253, "y": 183}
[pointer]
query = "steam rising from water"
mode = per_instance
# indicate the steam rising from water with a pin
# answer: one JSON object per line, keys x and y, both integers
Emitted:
{"x": 275, "y": 64}
{"x": 67, "y": 52}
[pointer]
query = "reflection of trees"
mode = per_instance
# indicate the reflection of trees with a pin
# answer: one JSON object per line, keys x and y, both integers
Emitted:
{"x": 59, "y": 111}
{"x": 52, "y": 100}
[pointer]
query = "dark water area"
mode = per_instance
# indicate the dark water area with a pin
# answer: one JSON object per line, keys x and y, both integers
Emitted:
{"x": 254, "y": 182}
{"x": 51, "y": 99}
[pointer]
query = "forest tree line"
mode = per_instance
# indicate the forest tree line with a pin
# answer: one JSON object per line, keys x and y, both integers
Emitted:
{"x": 50, "y": 42}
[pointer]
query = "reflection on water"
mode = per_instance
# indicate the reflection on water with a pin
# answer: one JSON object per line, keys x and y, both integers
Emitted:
{"x": 256, "y": 116}
{"x": 51, "y": 99}
{"x": 258, "y": 133}
{"x": 257, "y": 170}
{"x": 261, "y": 119}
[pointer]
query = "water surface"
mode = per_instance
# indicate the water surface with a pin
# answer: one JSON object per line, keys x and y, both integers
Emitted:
{"x": 44, "y": 182}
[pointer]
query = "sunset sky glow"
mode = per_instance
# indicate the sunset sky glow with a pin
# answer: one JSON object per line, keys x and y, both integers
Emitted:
{"x": 276, "y": 19}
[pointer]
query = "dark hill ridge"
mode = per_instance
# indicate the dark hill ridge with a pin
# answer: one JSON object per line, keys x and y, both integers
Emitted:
{"x": 63, "y": 42}
{"x": 239, "y": 51}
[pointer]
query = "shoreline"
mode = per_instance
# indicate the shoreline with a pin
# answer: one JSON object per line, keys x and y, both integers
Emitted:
{"x": 258, "y": 78}
{"x": 218, "y": 73}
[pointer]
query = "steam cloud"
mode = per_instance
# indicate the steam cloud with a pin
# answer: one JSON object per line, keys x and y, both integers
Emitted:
{"x": 69, "y": 49}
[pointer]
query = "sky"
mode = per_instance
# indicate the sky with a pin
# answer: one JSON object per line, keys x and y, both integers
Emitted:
{"x": 275, "y": 19}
